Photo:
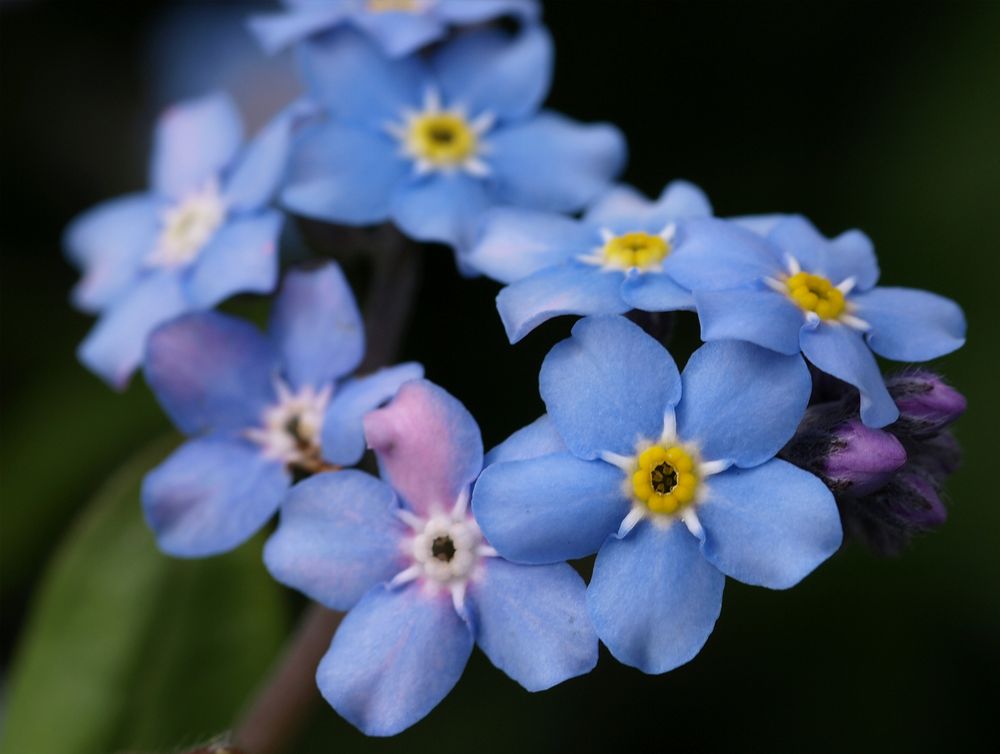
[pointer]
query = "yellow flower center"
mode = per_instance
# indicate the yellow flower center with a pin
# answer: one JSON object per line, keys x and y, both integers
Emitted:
{"x": 665, "y": 480}
{"x": 393, "y": 6}
{"x": 637, "y": 249}
{"x": 441, "y": 138}
{"x": 814, "y": 293}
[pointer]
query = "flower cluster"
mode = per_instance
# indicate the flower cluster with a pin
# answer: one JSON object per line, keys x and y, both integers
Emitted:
{"x": 779, "y": 433}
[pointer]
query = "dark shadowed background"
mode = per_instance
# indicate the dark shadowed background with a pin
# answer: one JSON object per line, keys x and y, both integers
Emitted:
{"x": 882, "y": 116}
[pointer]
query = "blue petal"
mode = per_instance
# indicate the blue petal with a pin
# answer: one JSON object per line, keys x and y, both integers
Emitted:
{"x": 754, "y": 315}
{"x": 531, "y": 621}
{"x": 195, "y": 140}
{"x": 242, "y": 257}
{"x": 514, "y": 243}
{"x": 553, "y": 163}
{"x": 258, "y": 172}
{"x": 489, "y": 71}
{"x": 678, "y": 200}
{"x": 109, "y": 243}
{"x": 399, "y": 33}
{"x": 463, "y": 12}
{"x": 850, "y": 254}
{"x": 547, "y": 509}
{"x": 442, "y": 208}
{"x": 316, "y": 325}
{"x": 343, "y": 174}
{"x": 211, "y": 495}
{"x": 394, "y": 658}
{"x": 655, "y": 292}
{"x": 741, "y": 403}
{"x": 343, "y": 425}
{"x": 113, "y": 349}
{"x": 838, "y": 350}
{"x": 570, "y": 288}
{"x": 537, "y": 439}
{"x": 653, "y": 598}
{"x": 759, "y": 224}
{"x": 770, "y": 525}
{"x": 909, "y": 324}
{"x": 608, "y": 386}
{"x": 347, "y": 73}
{"x": 211, "y": 371}
{"x": 276, "y": 31}
{"x": 339, "y": 536}
{"x": 427, "y": 444}
{"x": 715, "y": 254}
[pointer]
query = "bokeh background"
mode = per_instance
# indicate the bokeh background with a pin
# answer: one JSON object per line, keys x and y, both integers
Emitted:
{"x": 883, "y": 116}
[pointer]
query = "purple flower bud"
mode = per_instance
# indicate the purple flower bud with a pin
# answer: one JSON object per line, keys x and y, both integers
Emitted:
{"x": 861, "y": 460}
{"x": 926, "y": 402}
{"x": 923, "y": 509}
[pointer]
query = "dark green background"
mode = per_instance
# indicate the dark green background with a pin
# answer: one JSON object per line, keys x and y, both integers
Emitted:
{"x": 883, "y": 116}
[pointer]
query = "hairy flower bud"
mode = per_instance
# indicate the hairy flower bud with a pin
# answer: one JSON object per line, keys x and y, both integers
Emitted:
{"x": 860, "y": 460}
{"x": 926, "y": 402}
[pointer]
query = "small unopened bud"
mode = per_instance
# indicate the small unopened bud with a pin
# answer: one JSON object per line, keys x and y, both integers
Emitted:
{"x": 921, "y": 506}
{"x": 926, "y": 402}
{"x": 861, "y": 460}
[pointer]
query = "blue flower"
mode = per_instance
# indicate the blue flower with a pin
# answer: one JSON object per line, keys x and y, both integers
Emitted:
{"x": 618, "y": 257}
{"x": 431, "y": 144}
{"x": 398, "y": 26}
{"x": 791, "y": 290}
{"x": 202, "y": 233}
{"x": 670, "y": 478}
{"x": 408, "y": 560}
{"x": 261, "y": 408}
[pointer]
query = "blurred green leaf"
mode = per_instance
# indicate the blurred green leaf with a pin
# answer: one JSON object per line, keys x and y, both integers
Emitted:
{"x": 126, "y": 648}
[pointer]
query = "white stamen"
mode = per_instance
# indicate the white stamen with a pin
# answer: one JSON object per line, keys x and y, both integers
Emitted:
{"x": 485, "y": 551}
{"x": 690, "y": 519}
{"x": 669, "y": 433}
{"x": 458, "y": 597}
{"x": 607, "y": 235}
{"x": 406, "y": 576}
{"x": 855, "y": 323}
{"x": 461, "y": 503}
{"x": 709, "y": 468}
{"x": 634, "y": 516}
{"x": 291, "y": 429}
{"x": 775, "y": 285}
{"x": 410, "y": 518}
{"x": 668, "y": 232}
{"x": 476, "y": 167}
{"x": 188, "y": 226}
{"x": 432, "y": 100}
{"x": 846, "y": 286}
{"x": 625, "y": 463}
{"x": 794, "y": 268}
{"x": 483, "y": 122}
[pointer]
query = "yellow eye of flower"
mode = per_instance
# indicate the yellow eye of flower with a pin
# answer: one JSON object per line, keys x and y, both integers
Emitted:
{"x": 393, "y": 6}
{"x": 814, "y": 293}
{"x": 665, "y": 479}
{"x": 637, "y": 249}
{"x": 441, "y": 138}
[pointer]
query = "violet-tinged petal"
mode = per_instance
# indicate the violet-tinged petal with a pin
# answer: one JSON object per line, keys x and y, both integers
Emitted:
{"x": 394, "y": 658}
{"x": 427, "y": 444}
{"x": 338, "y": 537}
{"x": 316, "y": 325}
{"x": 211, "y": 495}
{"x": 343, "y": 426}
{"x": 653, "y": 598}
{"x": 770, "y": 525}
{"x": 113, "y": 349}
{"x": 195, "y": 140}
{"x": 531, "y": 621}
{"x": 210, "y": 371}
{"x": 590, "y": 387}
{"x": 242, "y": 257}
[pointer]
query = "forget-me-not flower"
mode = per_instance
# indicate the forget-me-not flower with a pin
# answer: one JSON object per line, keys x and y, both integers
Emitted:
{"x": 200, "y": 234}
{"x": 408, "y": 560}
{"x": 670, "y": 478}
{"x": 794, "y": 290}
{"x": 432, "y": 143}
{"x": 398, "y": 26}
{"x": 617, "y": 258}
{"x": 260, "y": 408}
